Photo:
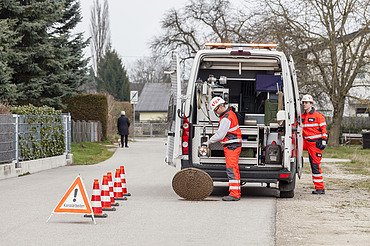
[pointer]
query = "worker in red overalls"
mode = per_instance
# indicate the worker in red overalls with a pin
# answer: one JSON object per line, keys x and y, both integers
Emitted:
{"x": 314, "y": 141}
{"x": 229, "y": 134}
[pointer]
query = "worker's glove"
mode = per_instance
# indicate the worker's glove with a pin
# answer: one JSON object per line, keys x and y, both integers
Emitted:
{"x": 321, "y": 144}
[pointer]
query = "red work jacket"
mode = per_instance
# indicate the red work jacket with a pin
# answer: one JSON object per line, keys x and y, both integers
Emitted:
{"x": 314, "y": 125}
{"x": 234, "y": 134}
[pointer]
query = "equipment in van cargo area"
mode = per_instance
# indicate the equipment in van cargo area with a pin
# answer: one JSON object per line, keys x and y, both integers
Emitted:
{"x": 268, "y": 82}
{"x": 273, "y": 154}
{"x": 259, "y": 84}
{"x": 271, "y": 109}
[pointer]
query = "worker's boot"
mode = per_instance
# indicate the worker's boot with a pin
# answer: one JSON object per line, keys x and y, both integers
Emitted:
{"x": 318, "y": 192}
{"x": 230, "y": 198}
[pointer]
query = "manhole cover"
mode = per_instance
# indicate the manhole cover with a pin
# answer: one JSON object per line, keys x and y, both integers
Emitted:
{"x": 192, "y": 184}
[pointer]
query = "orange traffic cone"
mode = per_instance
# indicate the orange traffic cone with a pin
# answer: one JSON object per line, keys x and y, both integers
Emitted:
{"x": 111, "y": 194}
{"x": 96, "y": 202}
{"x": 105, "y": 197}
{"x": 123, "y": 181}
{"x": 117, "y": 189}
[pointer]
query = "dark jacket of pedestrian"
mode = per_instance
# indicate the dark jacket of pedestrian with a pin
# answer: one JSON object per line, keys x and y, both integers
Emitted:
{"x": 123, "y": 123}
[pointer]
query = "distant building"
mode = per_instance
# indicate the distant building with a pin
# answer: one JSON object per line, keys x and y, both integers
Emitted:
{"x": 153, "y": 102}
{"x": 358, "y": 104}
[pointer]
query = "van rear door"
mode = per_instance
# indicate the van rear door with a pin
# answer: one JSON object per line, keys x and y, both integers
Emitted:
{"x": 299, "y": 144}
{"x": 174, "y": 121}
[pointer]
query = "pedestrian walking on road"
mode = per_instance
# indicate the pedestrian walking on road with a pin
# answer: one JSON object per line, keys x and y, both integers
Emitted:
{"x": 314, "y": 141}
{"x": 123, "y": 123}
{"x": 229, "y": 134}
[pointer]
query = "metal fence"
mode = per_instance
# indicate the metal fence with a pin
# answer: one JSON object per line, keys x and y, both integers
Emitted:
{"x": 86, "y": 131}
{"x": 150, "y": 129}
{"x": 7, "y": 138}
{"x": 20, "y": 132}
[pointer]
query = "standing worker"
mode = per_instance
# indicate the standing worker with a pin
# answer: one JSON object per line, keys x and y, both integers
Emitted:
{"x": 314, "y": 141}
{"x": 229, "y": 134}
{"x": 123, "y": 123}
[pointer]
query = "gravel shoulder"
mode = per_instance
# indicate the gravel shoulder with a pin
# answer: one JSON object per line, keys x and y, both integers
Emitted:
{"x": 340, "y": 217}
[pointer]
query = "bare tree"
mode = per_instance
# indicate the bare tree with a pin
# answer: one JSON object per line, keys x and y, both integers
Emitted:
{"x": 331, "y": 40}
{"x": 150, "y": 70}
{"x": 188, "y": 29}
{"x": 100, "y": 32}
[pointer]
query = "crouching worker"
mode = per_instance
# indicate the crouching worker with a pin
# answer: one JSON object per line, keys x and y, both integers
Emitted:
{"x": 229, "y": 134}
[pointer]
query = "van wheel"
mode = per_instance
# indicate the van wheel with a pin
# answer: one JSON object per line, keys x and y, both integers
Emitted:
{"x": 287, "y": 194}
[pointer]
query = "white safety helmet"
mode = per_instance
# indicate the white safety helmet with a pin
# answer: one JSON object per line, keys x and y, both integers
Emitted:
{"x": 307, "y": 98}
{"x": 123, "y": 113}
{"x": 216, "y": 101}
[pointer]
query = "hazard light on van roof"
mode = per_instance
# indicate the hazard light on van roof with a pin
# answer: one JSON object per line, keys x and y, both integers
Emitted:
{"x": 235, "y": 45}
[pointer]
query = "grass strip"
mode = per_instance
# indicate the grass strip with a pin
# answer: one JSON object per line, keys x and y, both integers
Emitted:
{"x": 87, "y": 153}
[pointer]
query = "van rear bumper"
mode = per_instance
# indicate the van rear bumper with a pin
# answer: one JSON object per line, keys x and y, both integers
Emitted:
{"x": 248, "y": 174}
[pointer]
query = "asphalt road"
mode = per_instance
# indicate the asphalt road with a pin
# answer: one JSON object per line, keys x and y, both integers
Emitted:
{"x": 153, "y": 215}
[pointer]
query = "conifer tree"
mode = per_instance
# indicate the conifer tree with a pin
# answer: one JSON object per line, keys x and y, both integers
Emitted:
{"x": 71, "y": 67}
{"x": 48, "y": 63}
{"x": 112, "y": 76}
{"x": 8, "y": 39}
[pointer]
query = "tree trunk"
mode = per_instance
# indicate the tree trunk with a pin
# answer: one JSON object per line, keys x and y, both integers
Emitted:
{"x": 335, "y": 130}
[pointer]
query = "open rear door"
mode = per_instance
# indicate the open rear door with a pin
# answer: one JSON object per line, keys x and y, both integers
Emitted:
{"x": 298, "y": 122}
{"x": 174, "y": 121}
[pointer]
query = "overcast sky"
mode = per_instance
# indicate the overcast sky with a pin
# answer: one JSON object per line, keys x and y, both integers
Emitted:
{"x": 133, "y": 23}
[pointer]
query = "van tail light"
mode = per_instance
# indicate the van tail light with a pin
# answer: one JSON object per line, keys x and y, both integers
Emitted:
{"x": 284, "y": 175}
{"x": 185, "y": 137}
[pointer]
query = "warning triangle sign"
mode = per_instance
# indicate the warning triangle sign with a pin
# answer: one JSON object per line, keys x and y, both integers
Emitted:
{"x": 75, "y": 200}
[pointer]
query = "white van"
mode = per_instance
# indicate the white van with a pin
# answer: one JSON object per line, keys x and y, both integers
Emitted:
{"x": 259, "y": 84}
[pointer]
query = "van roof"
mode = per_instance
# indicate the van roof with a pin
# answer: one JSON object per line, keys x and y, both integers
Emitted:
{"x": 268, "y": 46}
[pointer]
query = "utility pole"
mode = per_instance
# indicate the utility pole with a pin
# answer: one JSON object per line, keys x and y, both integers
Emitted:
{"x": 134, "y": 98}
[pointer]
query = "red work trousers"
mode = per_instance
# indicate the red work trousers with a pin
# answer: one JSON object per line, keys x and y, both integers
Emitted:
{"x": 315, "y": 155}
{"x": 232, "y": 170}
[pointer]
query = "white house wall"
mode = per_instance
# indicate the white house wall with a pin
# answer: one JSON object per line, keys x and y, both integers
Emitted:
{"x": 153, "y": 116}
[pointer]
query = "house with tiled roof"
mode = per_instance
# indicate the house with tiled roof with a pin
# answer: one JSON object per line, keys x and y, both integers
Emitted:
{"x": 153, "y": 102}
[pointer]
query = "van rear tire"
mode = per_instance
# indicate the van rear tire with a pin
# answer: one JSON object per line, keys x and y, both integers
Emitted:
{"x": 287, "y": 188}
{"x": 287, "y": 194}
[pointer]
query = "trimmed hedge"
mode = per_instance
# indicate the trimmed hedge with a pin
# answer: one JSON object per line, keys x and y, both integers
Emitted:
{"x": 92, "y": 107}
{"x": 351, "y": 124}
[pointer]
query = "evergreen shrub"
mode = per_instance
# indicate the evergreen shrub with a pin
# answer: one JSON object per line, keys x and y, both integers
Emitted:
{"x": 41, "y": 132}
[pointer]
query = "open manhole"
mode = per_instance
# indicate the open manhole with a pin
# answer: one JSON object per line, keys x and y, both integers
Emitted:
{"x": 192, "y": 184}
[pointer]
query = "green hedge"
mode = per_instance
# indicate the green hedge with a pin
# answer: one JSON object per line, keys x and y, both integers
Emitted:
{"x": 92, "y": 107}
{"x": 40, "y": 132}
{"x": 351, "y": 124}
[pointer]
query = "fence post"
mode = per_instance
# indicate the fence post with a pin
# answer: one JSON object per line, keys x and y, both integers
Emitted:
{"x": 69, "y": 119}
{"x": 67, "y": 127}
{"x": 16, "y": 132}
